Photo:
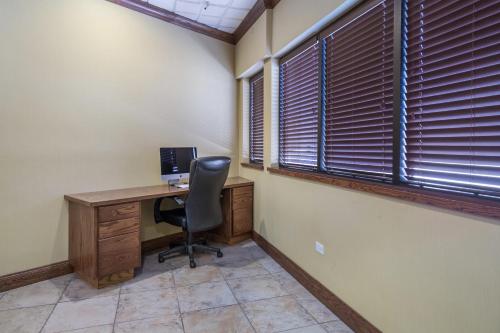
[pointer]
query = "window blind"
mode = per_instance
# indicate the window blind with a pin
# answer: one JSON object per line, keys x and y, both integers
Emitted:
{"x": 257, "y": 118}
{"x": 358, "y": 92}
{"x": 299, "y": 107}
{"x": 451, "y": 100}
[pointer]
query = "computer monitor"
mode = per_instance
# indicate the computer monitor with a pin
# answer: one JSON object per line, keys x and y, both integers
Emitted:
{"x": 175, "y": 163}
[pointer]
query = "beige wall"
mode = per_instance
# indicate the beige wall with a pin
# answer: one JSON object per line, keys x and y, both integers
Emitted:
{"x": 255, "y": 45}
{"x": 405, "y": 267}
{"x": 293, "y": 18}
{"x": 89, "y": 91}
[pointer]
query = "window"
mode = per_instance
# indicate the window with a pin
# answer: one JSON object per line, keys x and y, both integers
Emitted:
{"x": 358, "y": 98}
{"x": 452, "y": 100}
{"x": 299, "y": 107}
{"x": 257, "y": 119}
{"x": 404, "y": 92}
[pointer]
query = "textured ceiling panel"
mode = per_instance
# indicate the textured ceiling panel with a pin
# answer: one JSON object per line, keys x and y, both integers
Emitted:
{"x": 225, "y": 15}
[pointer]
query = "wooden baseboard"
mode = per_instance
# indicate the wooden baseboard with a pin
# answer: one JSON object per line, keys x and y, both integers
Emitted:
{"x": 20, "y": 279}
{"x": 348, "y": 315}
{"x": 38, "y": 274}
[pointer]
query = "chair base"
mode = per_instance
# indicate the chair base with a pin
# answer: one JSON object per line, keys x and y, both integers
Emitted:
{"x": 188, "y": 248}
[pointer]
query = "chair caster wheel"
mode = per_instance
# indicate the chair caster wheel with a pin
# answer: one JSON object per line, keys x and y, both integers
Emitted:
{"x": 220, "y": 254}
{"x": 192, "y": 264}
{"x": 161, "y": 259}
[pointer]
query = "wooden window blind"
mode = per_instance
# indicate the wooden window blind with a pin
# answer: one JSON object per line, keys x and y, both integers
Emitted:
{"x": 451, "y": 95}
{"x": 358, "y": 92}
{"x": 257, "y": 118}
{"x": 299, "y": 107}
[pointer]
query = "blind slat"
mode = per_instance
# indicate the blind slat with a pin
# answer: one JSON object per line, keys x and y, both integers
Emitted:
{"x": 257, "y": 118}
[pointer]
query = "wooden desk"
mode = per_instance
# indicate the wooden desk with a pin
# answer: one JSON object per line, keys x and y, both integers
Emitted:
{"x": 104, "y": 227}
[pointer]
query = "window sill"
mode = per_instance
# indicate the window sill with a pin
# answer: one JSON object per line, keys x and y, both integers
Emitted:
{"x": 475, "y": 206}
{"x": 252, "y": 166}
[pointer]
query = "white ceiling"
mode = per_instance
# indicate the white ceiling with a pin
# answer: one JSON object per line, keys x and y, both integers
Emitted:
{"x": 225, "y": 15}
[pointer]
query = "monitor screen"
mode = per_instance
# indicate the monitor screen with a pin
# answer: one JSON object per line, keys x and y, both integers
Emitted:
{"x": 176, "y": 160}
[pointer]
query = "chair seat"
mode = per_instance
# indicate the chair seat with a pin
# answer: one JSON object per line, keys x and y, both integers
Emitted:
{"x": 174, "y": 216}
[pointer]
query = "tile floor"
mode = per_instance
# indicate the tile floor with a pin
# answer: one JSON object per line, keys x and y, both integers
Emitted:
{"x": 245, "y": 291}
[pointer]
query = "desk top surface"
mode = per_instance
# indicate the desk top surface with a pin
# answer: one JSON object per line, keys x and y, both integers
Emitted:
{"x": 110, "y": 197}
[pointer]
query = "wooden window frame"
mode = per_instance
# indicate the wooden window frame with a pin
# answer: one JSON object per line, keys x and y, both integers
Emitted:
{"x": 252, "y": 165}
{"x": 456, "y": 202}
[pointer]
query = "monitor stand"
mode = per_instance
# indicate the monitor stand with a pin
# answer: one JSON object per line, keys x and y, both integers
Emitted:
{"x": 179, "y": 183}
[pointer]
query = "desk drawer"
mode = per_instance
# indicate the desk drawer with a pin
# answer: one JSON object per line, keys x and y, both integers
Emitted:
{"x": 242, "y": 202}
{"x": 119, "y": 212}
{"x": 242, "y": 220}
{"x": 118, "y": 227}
{"x": 245, "y": 191}
{"x": 119, "y": 253}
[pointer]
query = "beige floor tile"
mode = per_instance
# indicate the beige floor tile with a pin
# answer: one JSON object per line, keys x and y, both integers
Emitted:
{"x": 277, "y": 314}
{"x": 235, "y": 253}
{"x": 25, "y": 320}
{"x": 270, "y": 265}
{"x": 81, "y": 314}
{"x": 319, "y": 311}
{"x": 236, "y": 270}
{"x": 247, "y": 243}
{"x": 228, "y": 319}
{"x": 79, "y": 289}
{"x": 41, "y": 293}
{"x": 150, "y": 262}
{"x": 292, "y": 286}
{"x": 257, "y": 252}
{"x": 204, "y": 296}
{"x": 94, "y": 329}
{"x": 164, "y": 324}
{"x": 336, "y": 327}
{"x": 308, "y": 329}
{"x": 148, "y": 304}
{"x": 148, "y": 281}
{"x": 186, "y": 276}
{"x": 256, "y": 287}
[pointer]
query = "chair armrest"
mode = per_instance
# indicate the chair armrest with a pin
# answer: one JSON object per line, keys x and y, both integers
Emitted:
{"x": 157, "y": 211}
{"x": 157, "y": 207}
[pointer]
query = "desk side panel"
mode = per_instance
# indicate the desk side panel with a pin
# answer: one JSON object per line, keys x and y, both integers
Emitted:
{"x": 83, "y": 241}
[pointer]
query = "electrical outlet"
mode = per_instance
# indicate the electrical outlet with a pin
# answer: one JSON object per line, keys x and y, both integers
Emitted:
{"x": 320, "y": 248}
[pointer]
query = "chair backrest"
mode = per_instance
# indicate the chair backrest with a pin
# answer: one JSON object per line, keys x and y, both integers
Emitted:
{"x": 206, "y": 180}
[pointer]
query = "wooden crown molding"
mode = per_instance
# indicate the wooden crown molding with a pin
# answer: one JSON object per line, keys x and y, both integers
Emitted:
{"x": 253, "y": 15}
{"x": 171, "y": 17}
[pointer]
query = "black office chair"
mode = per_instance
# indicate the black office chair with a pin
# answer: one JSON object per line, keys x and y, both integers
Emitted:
{"x": 202, "y": 208}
